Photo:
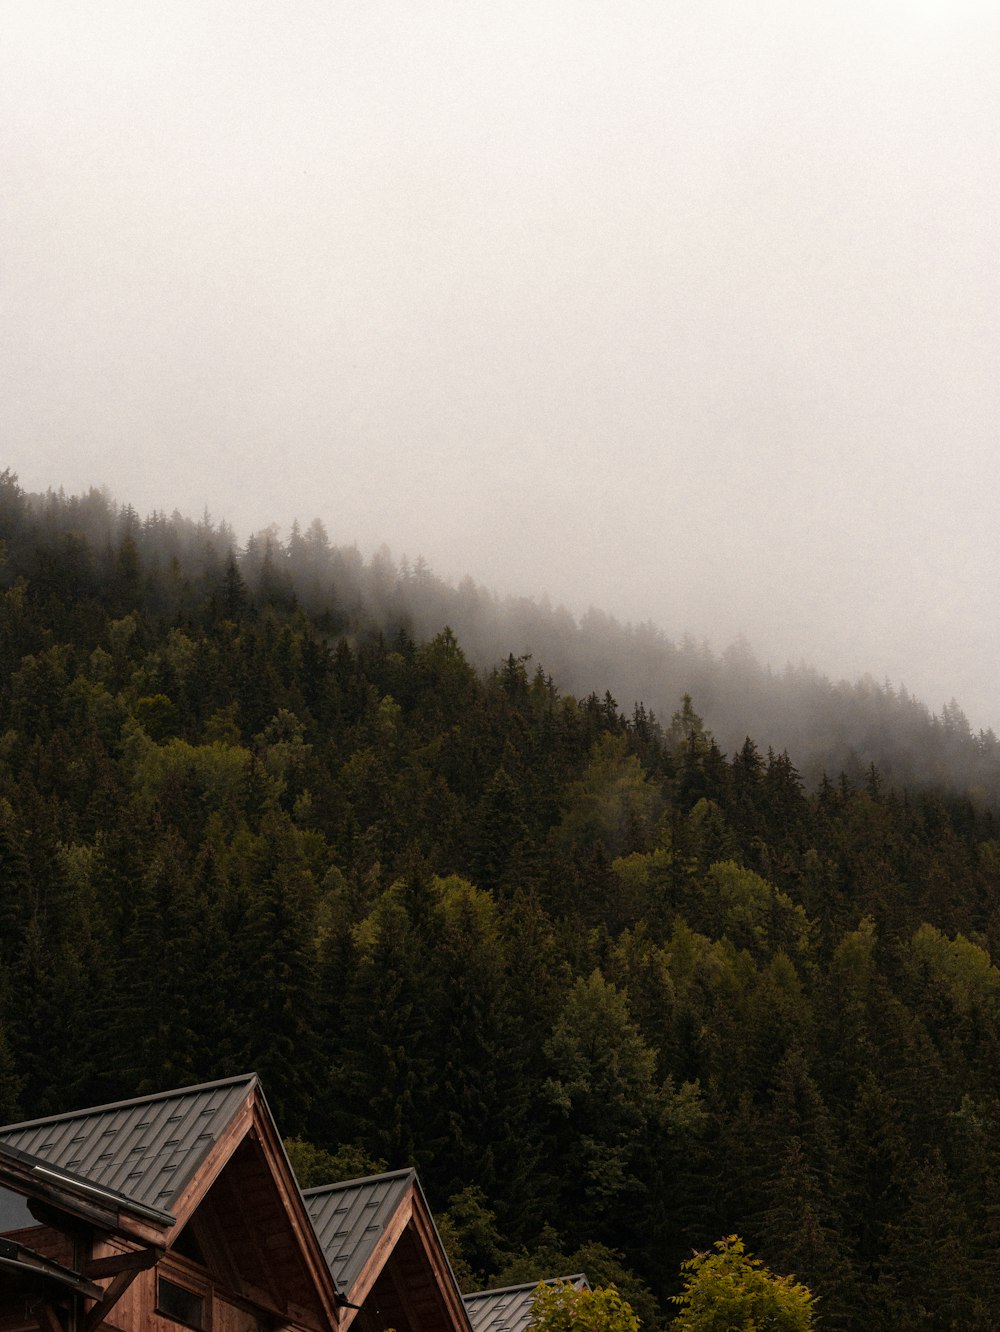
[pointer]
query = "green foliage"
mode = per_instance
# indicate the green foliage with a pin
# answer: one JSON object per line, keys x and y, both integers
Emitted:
{"x": 469, "y": 1232}
{"x": 602, "y": 1265}
{"x": 560, "y": 1307}
{"x": 603, "y": 1090}
{"x": 613, "y": 803}
{"x": 10, "y": 1084}
{"x": 313, "y": 1166}
{"x": 613, "y": 991}
{"x": 959, "y": 968}
{"x": 190, "y": 778}
{"x": 744, "y": 908}
{"x": 726, "y": 1289}
{"x": 157, "y": 716}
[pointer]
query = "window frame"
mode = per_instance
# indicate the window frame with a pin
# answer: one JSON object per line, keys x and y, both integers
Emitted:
{"x": 194, "y": 1290}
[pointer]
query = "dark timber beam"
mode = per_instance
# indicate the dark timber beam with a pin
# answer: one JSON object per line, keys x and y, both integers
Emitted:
{"x": 138, "y": 1261}
{"x": 114, "y": 1292}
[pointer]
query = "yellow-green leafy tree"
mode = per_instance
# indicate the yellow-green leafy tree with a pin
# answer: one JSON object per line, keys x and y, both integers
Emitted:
{"x": 561, "y": 1307}
{"x": 727, "y": 1290}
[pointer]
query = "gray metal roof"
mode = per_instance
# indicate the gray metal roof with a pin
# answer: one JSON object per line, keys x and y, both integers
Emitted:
{"x": 509, "y": 1309}
{"x": 349, "y": 1219}
{"x": 65, "y": 1180}
{"x": 145, "y": 1149}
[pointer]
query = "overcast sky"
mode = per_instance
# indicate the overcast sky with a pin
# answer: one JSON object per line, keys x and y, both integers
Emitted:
{"x": 687, "y": 311}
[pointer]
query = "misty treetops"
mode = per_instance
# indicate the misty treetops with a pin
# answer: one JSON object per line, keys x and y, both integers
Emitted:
{"x": 614, "y": 989}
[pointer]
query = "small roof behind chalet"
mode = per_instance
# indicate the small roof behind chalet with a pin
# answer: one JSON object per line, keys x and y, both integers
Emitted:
{"x": 383, "y": 1249}
{"x": 350, "y": 1218}
{"x": 146, "y": 1149}
{"x": 508, "y": 1309}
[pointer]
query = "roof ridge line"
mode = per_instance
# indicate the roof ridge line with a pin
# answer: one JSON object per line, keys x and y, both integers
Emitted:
{"x": 248, "y": 1078}
{"x": 361, "y": 1179}
{"x": 525, "y": 1285}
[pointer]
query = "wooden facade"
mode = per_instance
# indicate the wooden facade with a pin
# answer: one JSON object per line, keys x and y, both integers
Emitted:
{"x": 231, "y": 1249}
{"x": 181, "y": 1211}
{"x": 381, "y": 1243}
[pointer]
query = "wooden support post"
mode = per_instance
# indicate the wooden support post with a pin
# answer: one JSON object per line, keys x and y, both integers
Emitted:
{"x": 113, "y": 1293}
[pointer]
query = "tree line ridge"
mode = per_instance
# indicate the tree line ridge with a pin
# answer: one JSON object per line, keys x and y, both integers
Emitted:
{"x": 615, "y": 987}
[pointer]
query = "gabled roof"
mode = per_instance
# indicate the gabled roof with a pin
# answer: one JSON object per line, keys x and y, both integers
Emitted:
{"x": 350, "y": 1219}
{"x": 145, "y": 1149}
{"x": 15, "y": 1163}
{"x": 508, "y": 1309}
{"x": 209, "y": 1153}
{"x": 379, "y": 1238}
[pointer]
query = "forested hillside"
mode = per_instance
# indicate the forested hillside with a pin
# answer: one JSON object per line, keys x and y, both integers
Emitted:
{"x": 610, "y": 988}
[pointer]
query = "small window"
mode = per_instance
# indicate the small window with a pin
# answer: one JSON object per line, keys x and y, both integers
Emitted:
{"x": 184, "y": 1306}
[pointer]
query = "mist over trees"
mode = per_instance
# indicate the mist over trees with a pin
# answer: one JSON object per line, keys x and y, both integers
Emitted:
{"x": 830, "y": 726}
{"x": 616, "y": 990}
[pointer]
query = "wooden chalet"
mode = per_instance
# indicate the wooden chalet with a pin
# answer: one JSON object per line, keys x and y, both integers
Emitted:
{"x": 385, "y": 1254}
{"x": 180, "y": 1210}
{"x": 167, "y": 1211}
{"x": 509, "y": 1308}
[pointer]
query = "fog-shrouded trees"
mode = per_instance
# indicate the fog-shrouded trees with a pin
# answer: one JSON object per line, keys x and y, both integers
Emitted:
{"x": 614, "y": 990}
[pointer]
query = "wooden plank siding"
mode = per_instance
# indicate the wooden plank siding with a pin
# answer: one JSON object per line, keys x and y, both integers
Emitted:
{"x": 224, "y": 1312}
{"x": 49, "y": 1242}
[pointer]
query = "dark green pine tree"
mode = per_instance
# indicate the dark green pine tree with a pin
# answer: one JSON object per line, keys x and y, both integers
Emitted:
{"x": 344, "y": 901}
{"x": 483, "y": 1106}
{"x": 930, "y": 1265}
{"x": 603, "y": 1100}
{"x": 233, "y": 597}
{"x": 17, "y": 893}
{"x": 125, "y": 585}
{"x": 496, "y": 828}
{"x": 49, "y": 1026}
{"x": 11, "y": 1085}
{"x": 779, "y": 1026}
{"x": 535, "y": 979}
{"x": 276, "y": 970}
{"x": 876, "y": 1168}
{"x": 159, "y": 984}
{"x": 387, "y": 1055}
{"x": 974, "y": 1150}
{"x": 217, "y": 1031}
{"x": 799, "y": 1232}
{"x": 800, "y": 1219}
{"x": 746, "y": 792}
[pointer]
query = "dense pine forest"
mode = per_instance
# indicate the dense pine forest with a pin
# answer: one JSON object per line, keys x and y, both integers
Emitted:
{"x": 617, "y": 988}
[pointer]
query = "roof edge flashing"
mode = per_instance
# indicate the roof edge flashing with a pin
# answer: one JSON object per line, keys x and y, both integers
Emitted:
{"x": 317, "y": 1189}
{"x": 121, "y": 1202}
{"x": 529, "y": 1285}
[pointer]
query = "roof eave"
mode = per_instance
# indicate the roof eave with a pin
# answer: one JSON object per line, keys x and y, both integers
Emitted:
{"x": 66, "y": 1192}
{"x": 450, "y": 1288}
{"x": 331, "y": 1297}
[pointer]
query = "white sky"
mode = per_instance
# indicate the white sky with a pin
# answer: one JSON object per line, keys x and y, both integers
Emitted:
{"x": 688, "y": 311}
